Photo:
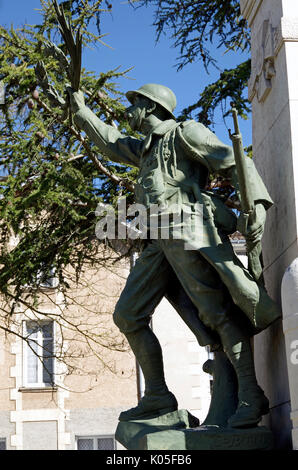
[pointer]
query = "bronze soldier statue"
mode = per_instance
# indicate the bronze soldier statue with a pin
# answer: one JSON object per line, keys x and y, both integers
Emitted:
{"x": 225, "y": 303}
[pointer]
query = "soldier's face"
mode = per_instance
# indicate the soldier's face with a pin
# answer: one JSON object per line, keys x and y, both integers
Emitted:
{"x": 136, "y": 113}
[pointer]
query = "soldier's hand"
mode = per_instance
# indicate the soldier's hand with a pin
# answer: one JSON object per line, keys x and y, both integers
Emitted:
{"x": 253, "y": 229}
{"x": 76, "y": 98}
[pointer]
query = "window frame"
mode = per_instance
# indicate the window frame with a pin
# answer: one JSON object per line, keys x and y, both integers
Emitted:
{"x": 95, "y": 438}
{"x": 40, "y": 366}
{"x": 49, "y": 283}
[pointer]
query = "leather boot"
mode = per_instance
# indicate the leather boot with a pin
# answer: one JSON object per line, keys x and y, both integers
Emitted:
{"x": 157, "y": 399}
{"x": 252, "y": 403}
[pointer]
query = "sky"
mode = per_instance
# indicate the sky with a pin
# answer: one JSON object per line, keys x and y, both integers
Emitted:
{"x": 131, "y": 39}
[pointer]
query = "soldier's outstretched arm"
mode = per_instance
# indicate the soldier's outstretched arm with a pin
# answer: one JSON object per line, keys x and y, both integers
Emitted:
{"x": 114, "y": 145}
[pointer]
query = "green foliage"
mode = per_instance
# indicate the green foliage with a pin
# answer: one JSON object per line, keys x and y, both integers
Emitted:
{"x": 50, "y": 187}
{"x": 194, "y": 25}
{"x": 229, "y": 87}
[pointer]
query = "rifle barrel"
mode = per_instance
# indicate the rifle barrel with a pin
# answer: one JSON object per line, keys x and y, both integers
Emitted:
{"x": 235, "y": 119}
{"x": 246, "y": 197}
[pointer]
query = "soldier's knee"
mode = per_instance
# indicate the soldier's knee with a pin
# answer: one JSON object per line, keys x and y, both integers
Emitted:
{"x": 213, "y": 318}
{"x": 124, "y": 318}
{"x": 119, "y": 318}
{"x": 129, "y": 320}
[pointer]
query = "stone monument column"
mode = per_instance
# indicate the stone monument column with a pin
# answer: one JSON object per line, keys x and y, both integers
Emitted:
{"x": 273, "y": 92}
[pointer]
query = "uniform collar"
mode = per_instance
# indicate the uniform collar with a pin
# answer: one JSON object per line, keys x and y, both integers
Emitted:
{"x": 164, "y": 127}
{"x": 160, "y": 130}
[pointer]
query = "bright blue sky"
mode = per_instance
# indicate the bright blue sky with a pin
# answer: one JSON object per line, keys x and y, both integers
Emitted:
{"x": 132, "y": 38}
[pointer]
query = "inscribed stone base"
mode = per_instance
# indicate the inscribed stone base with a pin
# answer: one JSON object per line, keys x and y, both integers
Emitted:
{"x": 209, "y": 438}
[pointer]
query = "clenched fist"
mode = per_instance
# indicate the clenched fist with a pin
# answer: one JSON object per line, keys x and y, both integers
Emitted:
{"x": 76, "y": 98}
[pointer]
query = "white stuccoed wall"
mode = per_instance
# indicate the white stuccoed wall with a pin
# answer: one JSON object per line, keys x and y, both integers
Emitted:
{"x": 273, "y": 90}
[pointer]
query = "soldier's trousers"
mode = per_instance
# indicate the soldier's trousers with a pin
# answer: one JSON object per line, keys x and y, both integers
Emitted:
{"x": 147, "y": 284}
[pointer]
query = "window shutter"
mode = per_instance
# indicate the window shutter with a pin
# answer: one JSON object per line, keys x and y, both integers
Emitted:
{"x": 47, "y": 336}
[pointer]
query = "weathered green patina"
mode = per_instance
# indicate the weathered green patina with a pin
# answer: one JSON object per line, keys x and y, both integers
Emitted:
{"x": 225, "y": 303}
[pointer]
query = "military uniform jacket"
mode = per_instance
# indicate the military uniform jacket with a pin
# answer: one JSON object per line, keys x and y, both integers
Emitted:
{"x": 174, "y": 162}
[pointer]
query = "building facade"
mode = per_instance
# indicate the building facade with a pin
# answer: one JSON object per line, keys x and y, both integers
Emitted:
{"x": 66, "y": 373}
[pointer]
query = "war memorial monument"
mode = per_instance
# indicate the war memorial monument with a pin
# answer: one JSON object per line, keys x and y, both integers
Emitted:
{"x": 224, "y": 304}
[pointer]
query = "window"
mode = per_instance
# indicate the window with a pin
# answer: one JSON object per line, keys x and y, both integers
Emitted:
{"x": 46, "y": 280}
{"x": 96, "y": 443}
{"x": 49, "y": 281}
{"x": 2, "y": 443}
{"x": 38, "y": 354}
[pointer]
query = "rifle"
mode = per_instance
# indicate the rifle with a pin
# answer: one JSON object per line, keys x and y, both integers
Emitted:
{"x": 247, "y": 201}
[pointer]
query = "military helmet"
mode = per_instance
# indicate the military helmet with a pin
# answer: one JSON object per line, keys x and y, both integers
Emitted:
{"x": 158, "y": 93}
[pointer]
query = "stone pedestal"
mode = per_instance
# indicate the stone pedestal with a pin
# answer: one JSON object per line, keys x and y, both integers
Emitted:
{"x": 180, "y": 431}
{"x": 133, "y": 434}
{"x": 273, "y": 91}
